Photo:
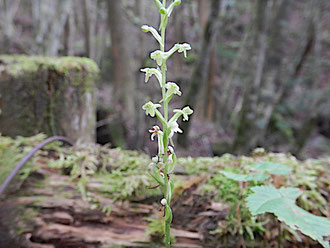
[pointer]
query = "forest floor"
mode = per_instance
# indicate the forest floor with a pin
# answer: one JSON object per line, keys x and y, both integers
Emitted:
{"x": 92, "y": 196}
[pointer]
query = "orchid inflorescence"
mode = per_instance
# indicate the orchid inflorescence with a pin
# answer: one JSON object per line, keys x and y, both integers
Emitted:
{"x": 163, "y": 164}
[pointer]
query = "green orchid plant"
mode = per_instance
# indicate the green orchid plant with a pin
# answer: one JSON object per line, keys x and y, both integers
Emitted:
{"x": 163, "y": 163}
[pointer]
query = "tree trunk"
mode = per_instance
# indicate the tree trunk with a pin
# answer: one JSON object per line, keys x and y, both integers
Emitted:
{"x": 56, "y": 29}
{"x": 313, "y": 46}
{"x": 8, "y": 10}
{"x": 209, "y": 99}
{"x": 123, "y": 78}
{"x": 69, "y": 35}
{"x": 201, "y": 70}
{"x": 53, "y": 96}
{"x": 203, "y": 12}
{"x": 266, "y": 86}
{"x": 48, "y": 32}
{"x": 89, "y": 13}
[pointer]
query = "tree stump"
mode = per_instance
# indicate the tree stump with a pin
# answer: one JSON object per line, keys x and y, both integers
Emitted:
{"x": 50, "y": 95}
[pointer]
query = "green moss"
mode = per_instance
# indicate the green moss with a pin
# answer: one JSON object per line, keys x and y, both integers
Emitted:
{"x": 12, "y": 150}
{"x": 156, "y": 230}
{"x": 122, "y": 175}
{"x": 17, "y": 65}
{"x": 196, "y": 166}
{"x": 46, "y": 85}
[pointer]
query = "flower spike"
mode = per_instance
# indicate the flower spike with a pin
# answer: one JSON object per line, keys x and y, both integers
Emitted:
{"x": 163, "y": 163}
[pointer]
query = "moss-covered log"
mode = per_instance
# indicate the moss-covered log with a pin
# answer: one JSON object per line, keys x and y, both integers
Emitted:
{"x": 90, "y": 196}
{"x": 50, "y": 95}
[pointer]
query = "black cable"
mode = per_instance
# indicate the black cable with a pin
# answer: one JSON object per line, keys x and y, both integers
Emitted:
{"x": 21, "y": 163}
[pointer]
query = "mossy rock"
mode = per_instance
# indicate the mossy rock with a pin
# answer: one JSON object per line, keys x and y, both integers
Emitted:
{"x": 50, "y": 95}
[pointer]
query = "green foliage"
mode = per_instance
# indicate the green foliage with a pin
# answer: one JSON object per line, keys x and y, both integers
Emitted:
{"x": 245, "y": 178}
{"x": 156, "y": 229}
{"x": 116, "y": 172}
{"x": 272, "y": 168}
{"x": 265, "y": 168}
{"x": 281, "y": 202}
{"x": 120, "y": 174}
{"x": 81, "y": 162}
{"x": 13, "y": 150}
{"x": 238, "y": 220}
{"x": 306, "y": 176}
{"x": 196, "y": 166}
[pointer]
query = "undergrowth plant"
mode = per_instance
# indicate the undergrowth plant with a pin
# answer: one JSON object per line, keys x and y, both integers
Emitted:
{"x": 163, "y": 164}
{"x": 281, "y": 202}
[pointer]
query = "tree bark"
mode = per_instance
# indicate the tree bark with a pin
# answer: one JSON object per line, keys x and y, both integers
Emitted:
{"x": 203, "y": 12}
{"x": 89, "y": 13}
{"x": 122, "y": 76}
{"x": 8, "y": 10}
{"x": 48, "y": 32}
{"x": 264, "y": 89}
{"x": 314, "y": 47}
{"x": 50, "y": 95}
{"x": 201, "y": 70}
{"x": 209, "y": 99}
{"x": 56, "y": 29}
{"x": 226, "y": 102}
{"x": 69, "y": 35}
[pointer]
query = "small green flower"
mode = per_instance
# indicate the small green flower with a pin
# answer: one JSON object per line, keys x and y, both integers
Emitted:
{"x": 153, "y": 31}
{"x": 150, "y": 108}
{"x": 174, "y": 128}
{"x": 152, "y": 71}
{"x": 158, "y": 56}
{"x": 171, "y": 7}
{"x": 186, "y": 111}
{"x": 172, "y": 88}
{"x": 183, "y": 48}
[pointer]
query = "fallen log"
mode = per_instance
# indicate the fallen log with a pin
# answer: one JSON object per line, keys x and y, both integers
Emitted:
{"x": 92, "y": 196}
{"x": 50, "y": 212}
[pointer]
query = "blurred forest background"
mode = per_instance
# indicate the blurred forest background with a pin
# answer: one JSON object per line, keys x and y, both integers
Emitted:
{"x": 258, "y": 74}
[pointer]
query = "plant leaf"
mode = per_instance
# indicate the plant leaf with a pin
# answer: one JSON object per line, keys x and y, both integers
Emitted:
{"x": 245, "y": 178}
{"x": 281, "y": 202}
{"x": 272, "y": 168}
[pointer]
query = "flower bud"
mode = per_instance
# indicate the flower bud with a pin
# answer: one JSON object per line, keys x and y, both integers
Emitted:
{"x": 155, "y": 159}
{"x": 145, "y": 28}
{"x": 177, "y": 2}
{"x": 162, "y": 11}
{"x": 163, "y": 202}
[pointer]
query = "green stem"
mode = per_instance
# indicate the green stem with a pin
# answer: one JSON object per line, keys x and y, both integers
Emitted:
{"x": 168, "y": 214}
{"x": 163, "y": 69}
{"x": 280, "y": 233}
{"x": 167, "y": 234}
